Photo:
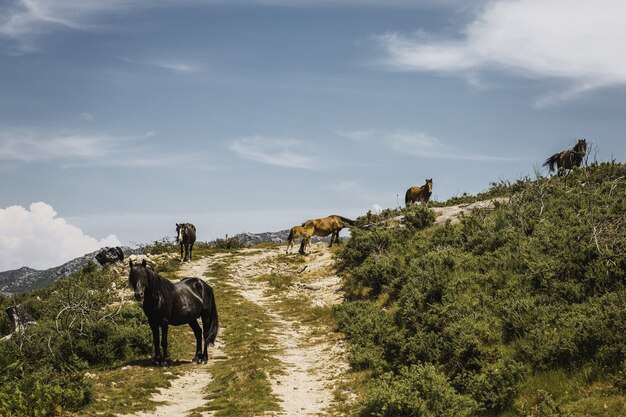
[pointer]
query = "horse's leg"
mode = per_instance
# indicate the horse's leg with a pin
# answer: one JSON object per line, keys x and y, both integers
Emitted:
{"x": 190, "y": 251}
{"x": 182, "y": 251}
{"x": 165, "y": 359}
{"x": 155, "y": 339}
{"x": 207, "y": 323}
{"x": 302, "y": 246}
{"x": 197, "y": 331}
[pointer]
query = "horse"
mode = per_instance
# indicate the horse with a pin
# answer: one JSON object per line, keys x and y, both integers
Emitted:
{"x": 325, "y": 226}
{"x": 186, "y": 235}
{"x": 296, "y": 232}
{"x": 166, "y": 303}
{"x": 422, "y": 193}
{"x": 568, "y": 159}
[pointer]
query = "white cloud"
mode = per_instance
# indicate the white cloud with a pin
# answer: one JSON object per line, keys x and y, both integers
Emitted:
{"x": 37, "y": 238}
{"x": 26, "y": 147}
{"x": 289, "y": 153}
{"x": 376, "y": 209}
{"x": 177, "y": 66}
{"x": 81, "y": 150}
{"x": 86, "y": 116}
{"x": 577, "y": 41}
{"x": 419, "y": 144}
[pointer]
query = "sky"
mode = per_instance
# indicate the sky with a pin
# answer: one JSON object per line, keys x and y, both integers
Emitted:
{"x": 119, "y": 119}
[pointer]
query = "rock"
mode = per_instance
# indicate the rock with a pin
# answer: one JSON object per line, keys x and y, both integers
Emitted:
{"x": 110, "y": 255}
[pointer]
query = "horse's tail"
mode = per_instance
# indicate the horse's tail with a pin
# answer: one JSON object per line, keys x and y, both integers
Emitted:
{"x": 213, "y": 319}
{"x": 347, "y": 220}
{"x": 407, "y": 197}
{"x": 551, "y": 163}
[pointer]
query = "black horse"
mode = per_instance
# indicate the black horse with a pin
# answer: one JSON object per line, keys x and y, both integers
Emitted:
{"x": 186, "y": 235}
{"x": 166, "y": 303}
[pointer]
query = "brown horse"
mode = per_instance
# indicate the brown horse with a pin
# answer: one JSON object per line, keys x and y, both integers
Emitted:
{"x": 297, "y": 232}
{"x": 186, "y": 236}
{"x": 568, "y": 159}
{"x": 325, "y": 226}
{"x": 422, "y": 193}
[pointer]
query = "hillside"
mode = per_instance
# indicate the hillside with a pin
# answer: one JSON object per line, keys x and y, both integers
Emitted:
{"x": 509, "y": 303}
{"x": 517, "y": 310}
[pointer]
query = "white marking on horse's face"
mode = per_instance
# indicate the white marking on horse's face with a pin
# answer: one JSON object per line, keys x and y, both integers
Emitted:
{"x": 180, "y": 235}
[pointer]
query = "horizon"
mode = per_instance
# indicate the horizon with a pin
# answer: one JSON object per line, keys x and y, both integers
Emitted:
{"x": 121, "y": 119}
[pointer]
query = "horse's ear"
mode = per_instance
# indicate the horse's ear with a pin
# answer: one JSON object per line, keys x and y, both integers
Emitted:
{"x": 177, "y": 224}
{"x": 143, "y": 263}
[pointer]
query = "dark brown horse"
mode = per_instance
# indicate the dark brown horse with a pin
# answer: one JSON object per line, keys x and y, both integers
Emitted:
{"x": 422, "y": 193}
{"x": 186, "y": 235}
{"x": 167, "y": 303}
{"x": 568, "y": 159}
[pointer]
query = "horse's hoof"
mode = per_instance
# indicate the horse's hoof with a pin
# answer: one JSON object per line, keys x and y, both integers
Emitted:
{"x": 197, "y": 359}
{"x": 205, "y": 359}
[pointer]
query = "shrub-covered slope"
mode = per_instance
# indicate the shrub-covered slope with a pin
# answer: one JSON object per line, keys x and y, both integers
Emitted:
{"x": 516, "y": 311}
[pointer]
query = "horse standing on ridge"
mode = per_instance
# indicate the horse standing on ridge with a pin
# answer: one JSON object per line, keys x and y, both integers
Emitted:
{"x": 186, "y": 235}
{"x": 325, "y": 226}
{"x": 568, "y": 159}
{"x": 423, "y": 193}
{"x": 166, "y": 303}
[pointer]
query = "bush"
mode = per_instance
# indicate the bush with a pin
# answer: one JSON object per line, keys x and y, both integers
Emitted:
{"x": 418, "y": 391}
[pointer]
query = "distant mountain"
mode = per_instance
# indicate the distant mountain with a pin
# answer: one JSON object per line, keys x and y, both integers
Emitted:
{"x": 27, "y": 279}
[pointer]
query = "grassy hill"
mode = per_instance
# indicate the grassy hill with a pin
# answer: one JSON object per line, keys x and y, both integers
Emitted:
{"x": 516, "y": 311}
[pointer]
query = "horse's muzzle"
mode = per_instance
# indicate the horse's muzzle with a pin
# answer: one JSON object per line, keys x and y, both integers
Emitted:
{"x": 138, "y": 296}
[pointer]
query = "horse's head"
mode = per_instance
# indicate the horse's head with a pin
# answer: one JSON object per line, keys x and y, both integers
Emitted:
{"x": 429, "y": 185}
{"x": 581, "y": 146}
{"x": 179, "y": 232}
{"x": 138, "y": 278}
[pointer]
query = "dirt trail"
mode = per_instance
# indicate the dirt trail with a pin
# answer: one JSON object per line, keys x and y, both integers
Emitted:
{"x": 312, "y": 365}
{"x": 453, "y": 213}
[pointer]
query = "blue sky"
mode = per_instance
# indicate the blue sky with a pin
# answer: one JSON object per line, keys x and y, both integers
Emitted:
{"x": 125, "y": 117}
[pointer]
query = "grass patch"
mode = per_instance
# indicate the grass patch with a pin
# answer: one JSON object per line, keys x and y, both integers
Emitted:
{"x": 579, "y": 393}
{"x": 241, "y": 387}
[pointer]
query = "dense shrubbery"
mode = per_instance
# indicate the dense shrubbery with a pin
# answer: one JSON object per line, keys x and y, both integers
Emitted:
{"x": 475, "y": 308}
{"x": 77, "y": 326}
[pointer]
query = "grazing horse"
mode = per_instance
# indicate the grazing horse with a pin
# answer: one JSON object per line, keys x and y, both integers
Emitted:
{"x": 296, "y": 232}
{"x": 568, "y": 159}
{"x": 422, "y": 193}
{"x": 166, "y": 303}
{"x": 325, "y": 226}
{"x": 186, "y": 235}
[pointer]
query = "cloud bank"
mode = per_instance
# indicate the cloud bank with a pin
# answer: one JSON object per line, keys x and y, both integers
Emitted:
{"x": 37, "y": 238}
{"x": 290, "y": 153}
{"x": 419, "y": 144}
{"x": 577, "y": 41}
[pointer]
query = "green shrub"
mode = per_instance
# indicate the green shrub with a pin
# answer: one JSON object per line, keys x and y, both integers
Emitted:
{"x": 418, "y": 391}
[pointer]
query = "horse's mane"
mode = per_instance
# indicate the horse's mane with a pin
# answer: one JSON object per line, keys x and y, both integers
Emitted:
{"x": 158, "y": 284}
{"x": 580, "y": 147}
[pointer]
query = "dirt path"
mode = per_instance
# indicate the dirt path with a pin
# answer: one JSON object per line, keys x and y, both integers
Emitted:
{"x": 312, "y": 365}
